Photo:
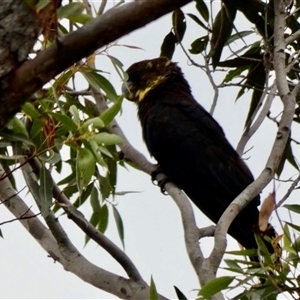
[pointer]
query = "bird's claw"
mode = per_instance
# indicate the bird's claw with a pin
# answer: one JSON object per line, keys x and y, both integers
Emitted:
{"x": 161, "y": 183}
{"x": 154, "y": 173}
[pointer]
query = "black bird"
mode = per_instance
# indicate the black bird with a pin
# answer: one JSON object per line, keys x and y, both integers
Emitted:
{"x": 190, "y": 146}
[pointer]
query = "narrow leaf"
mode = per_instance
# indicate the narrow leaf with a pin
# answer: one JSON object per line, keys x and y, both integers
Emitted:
{"x": 108, "y": 115}
{"x": 215, "y": 286}
{"x": 30, "y": 110}
{"x": 153, "y": 292}
{"x": 179, "y": 24}
{"x": 99, "y": 81}
{"x": 198, "y": 21}
{"x": 103, "y": 222}
{"x": 179, "y": 294}
{"x": 199, "y": 45}
{"x": 239, "y": 35}
{"x": 85, "y": 168}
{"x": 96, "y": 122}
{"x": 95, "y": 200}
{"x": 65, "y": 121}
{"x": 293, "y": 207}
{"x": 167, "y": 47}
{"x": 69, "y": 10}
{"x": 119, "y": 224}
{"x": 107, "y": 139}
{"x": 203, "y": 10}
{"x": 46, "y": 187}
{"x": 296, "y": 227}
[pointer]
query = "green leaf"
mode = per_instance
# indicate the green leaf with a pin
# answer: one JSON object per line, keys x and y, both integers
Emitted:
{"x": 233, "y": 265}
{"x": 119, "y": 224}
{"x": 105, "y": 186}
{"x": 15, "y": 137}
{"x": 199, "y": 45}
{"x": 263, "y": 250}
{"x": 70, "y": 10}
{"x": 287, "y": 155}
{"x": 74, "y": 111}
{"x": 167, "y": 47}
{"x": 68, "y": 179}
{"x": 11, "y": 157}
{"x": 153, "y": 292}
{"x": 203, "y": 10}
{"x": 234, "y": 73}
{"x": 81, "y": 19}
{"x": 65, "y": 120}
{"x": 103, "y": 222}
{"x": 296, "y": 227}
{"x": 94, "y": 220}
{"x": 95, "y": 203}
{"x": 215, "y": 286}
{"x": 118, "y": 65}
{"x": 96, "y": 122}
{"x": 239, "y": 35}
{"x": 84, "y": 196}
{"x": 179, "y": 24}
{"x": 179, "y": 294}
{"x": 256, "y": 78}
{"x": 30, "y": 110}
{"x": 92, "y": 145}
{"x": 286, "y": 237}
{"x": 221, "y": 32}
{"x": 41, "y": 4}
{"x": 108, "y": 115}
{"x": 85, "y": 168}
{"x": 107, "y": 139}
{"x": 249, "y": 252}
{"x": 198, "y": 21}
{"x": 292, "y": 207}
{"x": 18, "y": 127}
{"x": 98, "y": 81}
{"x": 46, "y": 187}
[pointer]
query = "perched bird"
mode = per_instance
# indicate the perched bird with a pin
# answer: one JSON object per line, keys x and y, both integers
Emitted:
{"x": 190, "y": 146}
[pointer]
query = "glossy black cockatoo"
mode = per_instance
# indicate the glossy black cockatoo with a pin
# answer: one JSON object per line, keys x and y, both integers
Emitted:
{"x": 190, "y": 146}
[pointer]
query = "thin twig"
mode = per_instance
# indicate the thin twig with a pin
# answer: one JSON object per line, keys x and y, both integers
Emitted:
{"x": 250, "y": 130}
{"x": 289, "y": 191}
{"x": 22, "y": 217}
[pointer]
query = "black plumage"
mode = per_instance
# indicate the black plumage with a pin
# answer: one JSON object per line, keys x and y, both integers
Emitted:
{"x": 189, "y": 145}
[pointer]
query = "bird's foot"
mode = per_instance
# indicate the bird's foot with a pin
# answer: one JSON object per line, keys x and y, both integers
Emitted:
{"x": 154, "y": 173}
{"x": 161, "y": 183}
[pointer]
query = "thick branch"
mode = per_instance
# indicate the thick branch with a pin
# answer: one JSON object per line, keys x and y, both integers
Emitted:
{"x": 105, "y": 29}
{"x": 67, "y": 255}
{"x": 78, "y": 218}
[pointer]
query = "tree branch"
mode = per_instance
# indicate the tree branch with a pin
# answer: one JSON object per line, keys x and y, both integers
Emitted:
{"x": 78, "y": 218}
{"x": 113, "y": 24}
{"x": 289, "y": 101}
{"x": 66, "y": 254}
{"x": 249, "y": 132}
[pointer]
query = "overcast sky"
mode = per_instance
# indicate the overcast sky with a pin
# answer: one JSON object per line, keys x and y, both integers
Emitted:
{"x": 153, "y": 230}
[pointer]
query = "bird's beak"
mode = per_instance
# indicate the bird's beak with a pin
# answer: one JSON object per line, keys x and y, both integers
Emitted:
{"x": 126, "y": 89}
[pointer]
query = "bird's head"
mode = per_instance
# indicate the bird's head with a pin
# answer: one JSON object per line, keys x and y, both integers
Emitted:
{"x": 146, "y": 75}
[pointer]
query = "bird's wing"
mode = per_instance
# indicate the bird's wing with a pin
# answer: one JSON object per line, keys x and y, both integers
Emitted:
{"x": 184, "y": 132}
